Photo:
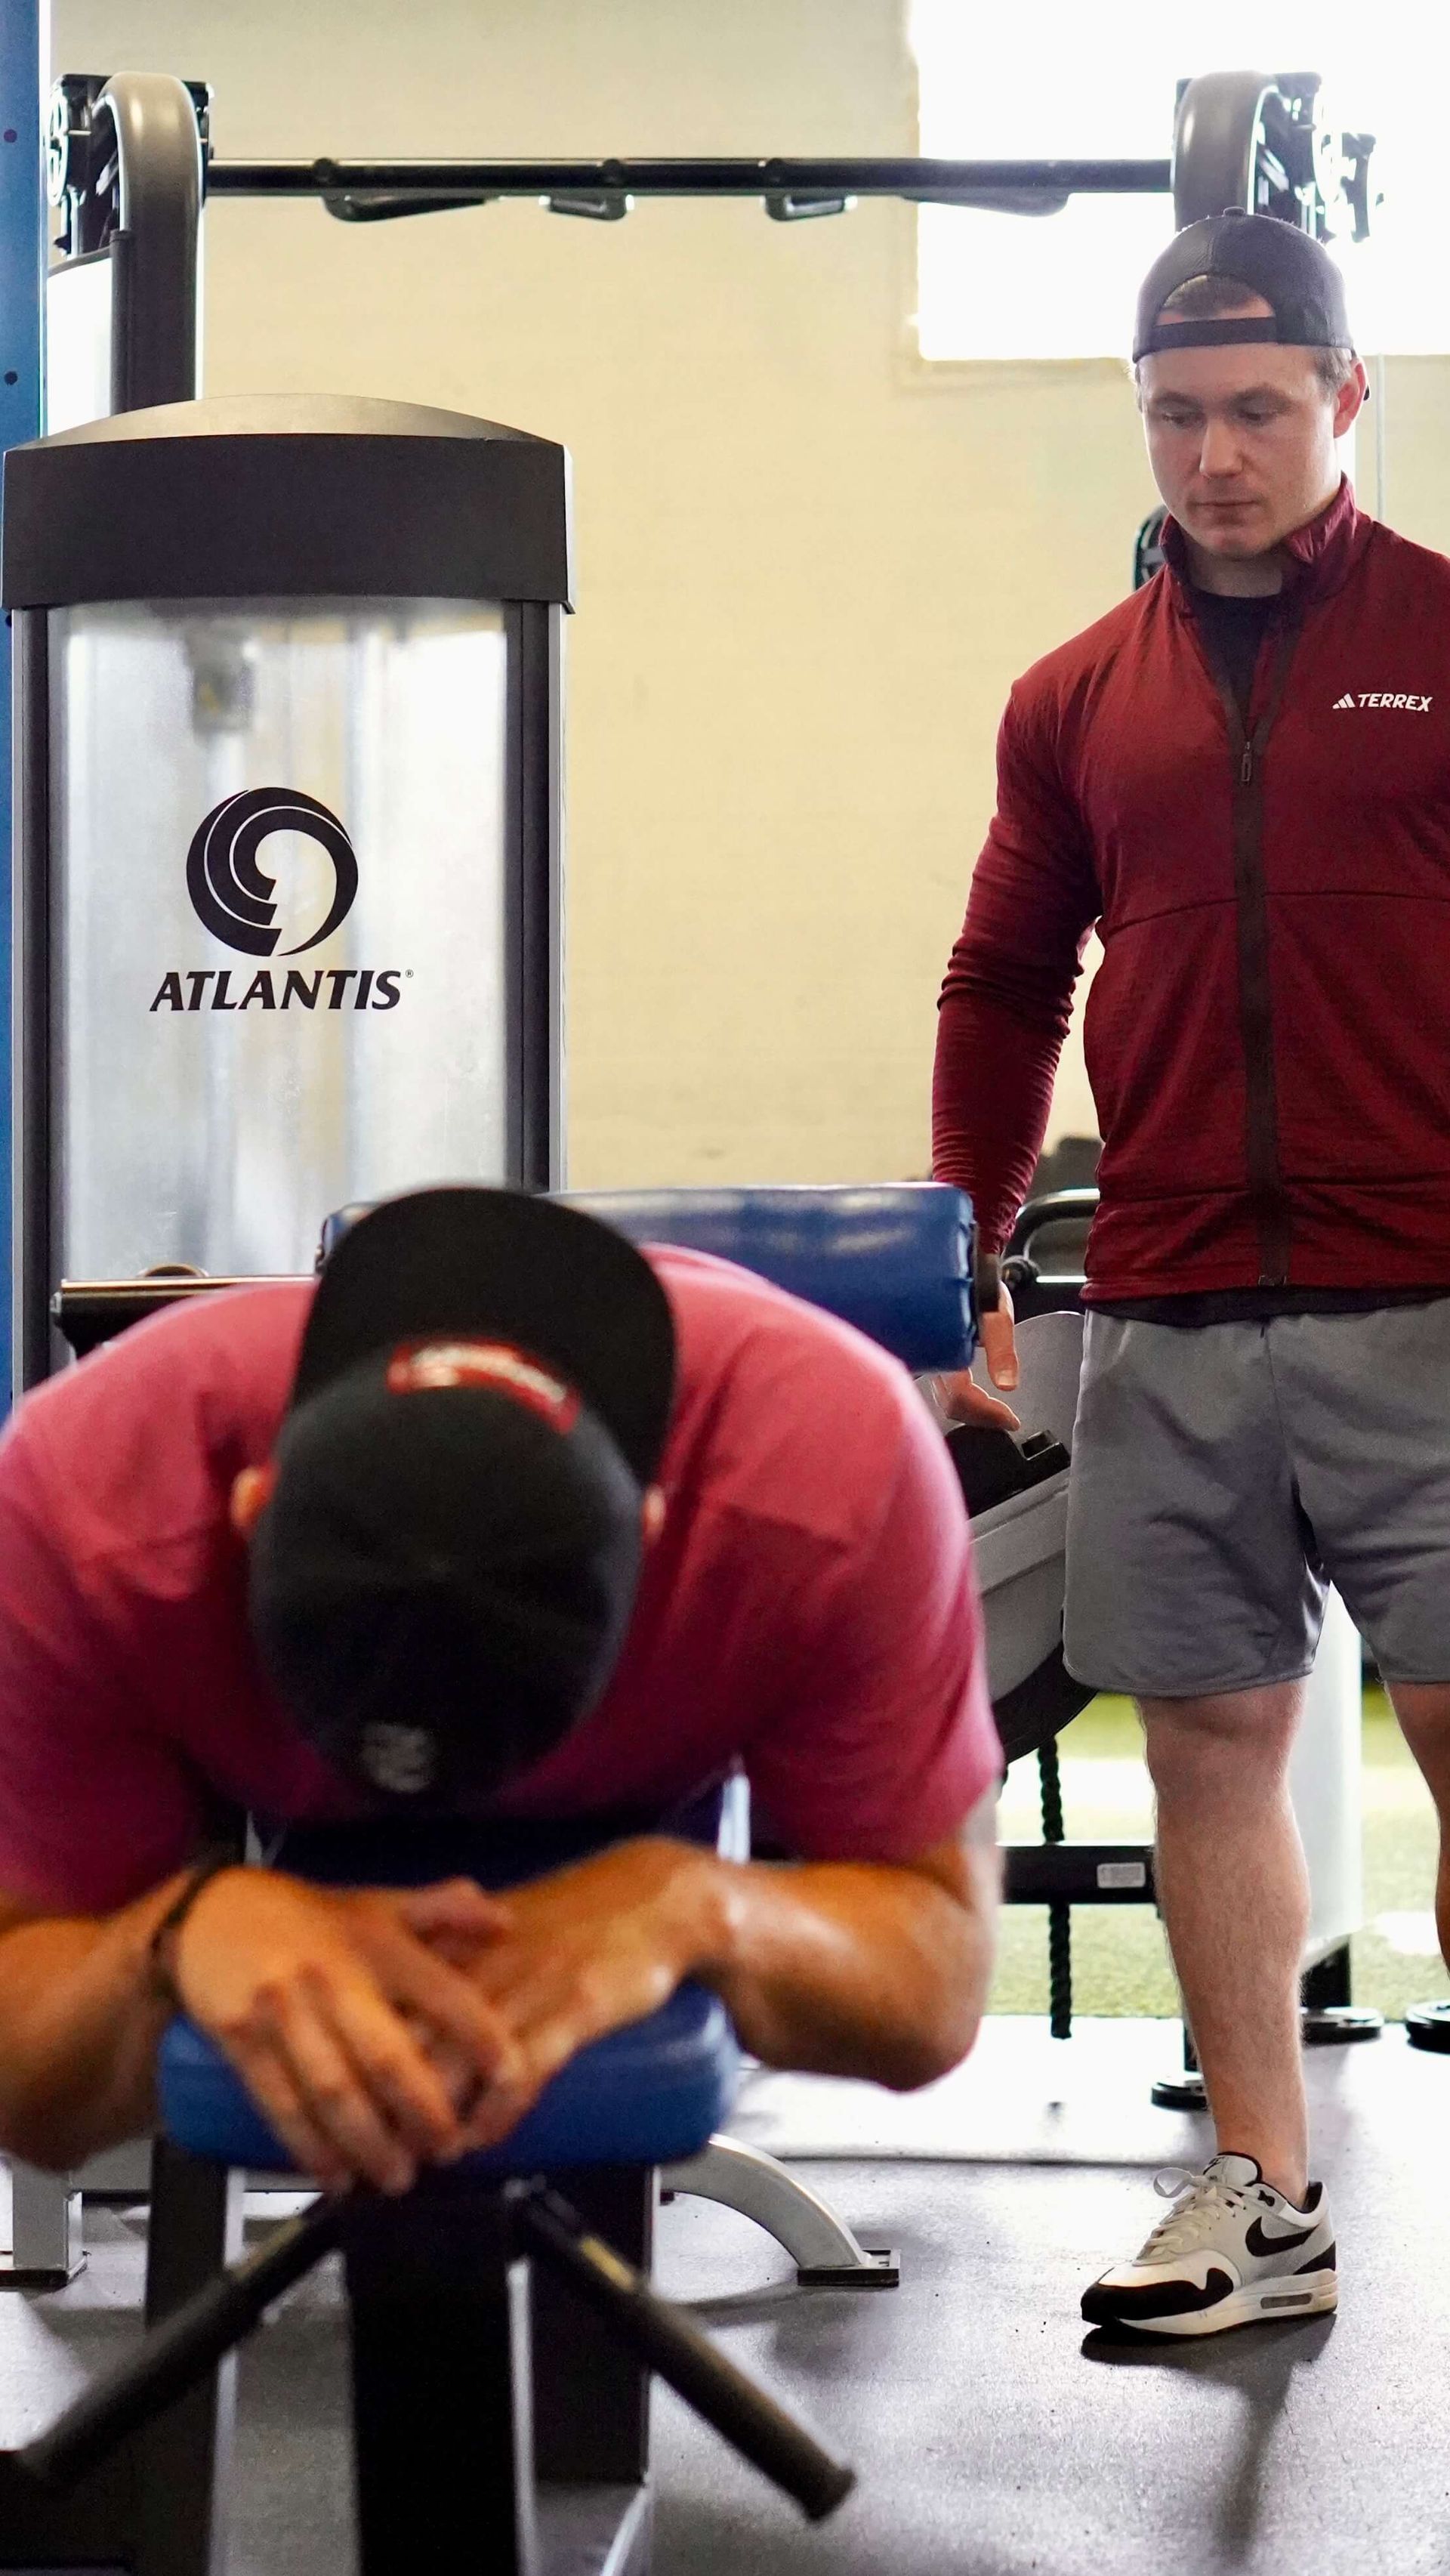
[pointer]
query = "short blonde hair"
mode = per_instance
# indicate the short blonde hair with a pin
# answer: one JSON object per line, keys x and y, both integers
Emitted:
{"x": 1218, "y": 299}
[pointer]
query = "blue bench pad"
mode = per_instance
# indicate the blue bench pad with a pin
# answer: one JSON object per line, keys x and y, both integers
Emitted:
{"x": 648, "y": 2094}
{"x": 893, "y": 1258}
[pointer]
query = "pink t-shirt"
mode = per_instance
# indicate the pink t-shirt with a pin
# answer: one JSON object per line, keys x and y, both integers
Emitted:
{"x": 808, "y": 1610}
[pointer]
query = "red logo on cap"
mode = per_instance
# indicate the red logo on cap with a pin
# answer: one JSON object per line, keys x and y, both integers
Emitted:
{"x": 416, "y": 1367}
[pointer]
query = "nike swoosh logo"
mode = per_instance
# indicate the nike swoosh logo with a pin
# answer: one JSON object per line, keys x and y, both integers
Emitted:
{"x": 1258, "y": 2243}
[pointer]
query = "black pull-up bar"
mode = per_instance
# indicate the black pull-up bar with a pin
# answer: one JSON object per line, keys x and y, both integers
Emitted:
{"x": 1240, "y": 138}
{"x": 475, "y": 182}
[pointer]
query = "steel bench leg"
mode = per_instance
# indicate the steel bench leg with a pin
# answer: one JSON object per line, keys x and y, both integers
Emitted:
{"x": 591, "y": 2397}
{"x": 45, "y": 2230}
{"x": 157, "y": 2505}
{"x": 47, "y": 2247}
{"x": 441, "y": 2385}
{"x": 183, "y": 2459}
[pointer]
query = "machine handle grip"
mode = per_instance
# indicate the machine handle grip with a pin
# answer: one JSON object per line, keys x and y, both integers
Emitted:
{"x": 1054, "y": 1207}
{"x": 662, "y": 2335}
{"x": 986, "y": 1285}
{"x": 207, "y": 2326}
{"x": 174, "y": 2353}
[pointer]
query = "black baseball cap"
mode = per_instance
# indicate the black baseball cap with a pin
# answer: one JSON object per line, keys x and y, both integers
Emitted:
{"x": 443, "y": 1577}
{"x": 1291, "y": 271}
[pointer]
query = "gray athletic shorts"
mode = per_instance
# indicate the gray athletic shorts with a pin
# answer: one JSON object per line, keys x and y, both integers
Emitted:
{"x": 1222, "y": 1477}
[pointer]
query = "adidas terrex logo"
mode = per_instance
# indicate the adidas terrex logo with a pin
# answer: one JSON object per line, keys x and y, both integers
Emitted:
{"x": 1384, "y": 698}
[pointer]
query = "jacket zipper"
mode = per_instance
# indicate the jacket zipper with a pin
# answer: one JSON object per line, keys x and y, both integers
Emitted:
{"x": 1268, "y": 1198}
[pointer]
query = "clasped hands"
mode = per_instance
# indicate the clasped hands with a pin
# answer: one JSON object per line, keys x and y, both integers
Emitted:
{"x": 382, "y": 2029}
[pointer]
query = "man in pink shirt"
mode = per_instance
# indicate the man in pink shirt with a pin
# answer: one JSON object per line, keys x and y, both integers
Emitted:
{"x": 502, "y": 1519}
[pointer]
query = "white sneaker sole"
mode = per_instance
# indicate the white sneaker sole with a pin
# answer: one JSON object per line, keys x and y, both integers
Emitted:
{"x": 1292, "y": 2295}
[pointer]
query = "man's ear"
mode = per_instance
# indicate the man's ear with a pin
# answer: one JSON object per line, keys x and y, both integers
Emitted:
{"x": 250, "y": 1495}
{"x": 1351, "y": 399}
{"x": 652, "y": 1518}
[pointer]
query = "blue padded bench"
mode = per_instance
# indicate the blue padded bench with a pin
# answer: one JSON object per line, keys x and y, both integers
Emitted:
{"x": 522, "y": 2451}
{"x": 651, "y": 2094}
{"x": 896, "y": 1260}
{"x": 648, "y": 2095}
{"x": 645, "y": 2096}
{"x": 440, "y": 2360}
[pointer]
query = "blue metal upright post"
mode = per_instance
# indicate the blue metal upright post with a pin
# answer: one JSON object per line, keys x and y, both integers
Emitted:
{"x": 23, "y": 81}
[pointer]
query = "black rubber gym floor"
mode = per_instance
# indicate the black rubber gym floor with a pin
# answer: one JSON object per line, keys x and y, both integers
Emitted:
{"x": 992, "y": 2436}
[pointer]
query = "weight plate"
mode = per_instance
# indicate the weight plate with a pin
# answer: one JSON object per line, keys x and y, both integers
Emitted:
{"x": 1183, "y": 2092}
{"x": 1337, "y": 2025}
{"x": 1216, "y": 144}
{"x": 1428, "y": 2026}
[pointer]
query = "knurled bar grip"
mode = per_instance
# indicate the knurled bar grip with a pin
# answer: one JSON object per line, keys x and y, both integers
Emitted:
{"x": 671, "y": 2343}
{"x": 175, "y": 2353}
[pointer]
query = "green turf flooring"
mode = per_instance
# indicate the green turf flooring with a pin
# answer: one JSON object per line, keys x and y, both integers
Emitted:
{"x": 1120, "y": 1963}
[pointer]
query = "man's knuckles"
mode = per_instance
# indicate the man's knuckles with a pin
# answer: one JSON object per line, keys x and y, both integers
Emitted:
{"x": 334, "y": 2100}
{"x": 253, "y": 2020}
{"x": 586, "y": 1995}
{"x": 450, "y": 1995}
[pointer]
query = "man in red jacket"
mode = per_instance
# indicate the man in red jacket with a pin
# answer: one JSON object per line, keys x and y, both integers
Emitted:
{"x": 1241, "y": 778}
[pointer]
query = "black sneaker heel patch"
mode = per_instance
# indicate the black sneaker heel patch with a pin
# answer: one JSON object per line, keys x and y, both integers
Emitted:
{"x": 1325, "y": 2262}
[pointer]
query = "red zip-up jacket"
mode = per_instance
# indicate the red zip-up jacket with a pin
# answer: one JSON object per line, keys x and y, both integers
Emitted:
{"x": 1268, "y": 1033}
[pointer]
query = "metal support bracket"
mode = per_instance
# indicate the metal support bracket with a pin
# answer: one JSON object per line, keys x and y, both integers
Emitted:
{"x": 827, "y": 2253}
{"x": 45, "y": 2231}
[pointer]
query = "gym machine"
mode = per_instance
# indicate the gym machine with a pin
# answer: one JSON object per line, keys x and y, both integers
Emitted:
{"x": 1240, "y": 138}
{"x": 502, "y": 2327}
{"x": 130, "y": 165}
{"x": 213, "y": 603}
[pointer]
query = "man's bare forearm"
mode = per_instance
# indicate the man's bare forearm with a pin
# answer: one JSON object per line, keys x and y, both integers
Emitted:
{"x": 79, "y": 2024}
{"x": 842, "y": 1968}
{"x": 856, "y": 1969}
{"x": 319, "y": 1996}
{"x": 847, "y": 1968}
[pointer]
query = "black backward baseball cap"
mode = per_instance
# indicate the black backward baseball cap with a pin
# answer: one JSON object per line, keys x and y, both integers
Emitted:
{"x": 443, "y": 1577}
{"x": 1291, "y": 271}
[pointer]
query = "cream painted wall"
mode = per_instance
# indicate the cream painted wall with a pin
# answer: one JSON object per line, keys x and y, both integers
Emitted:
{"x": 809, "y": 568}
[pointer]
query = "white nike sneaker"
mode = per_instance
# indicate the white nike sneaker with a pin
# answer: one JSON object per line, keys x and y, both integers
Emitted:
{"x": 1232, "y": 2251}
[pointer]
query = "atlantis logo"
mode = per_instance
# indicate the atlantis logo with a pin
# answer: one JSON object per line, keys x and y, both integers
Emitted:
{"x": 229, "y": 894}
{"x": 233, "y": 898}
